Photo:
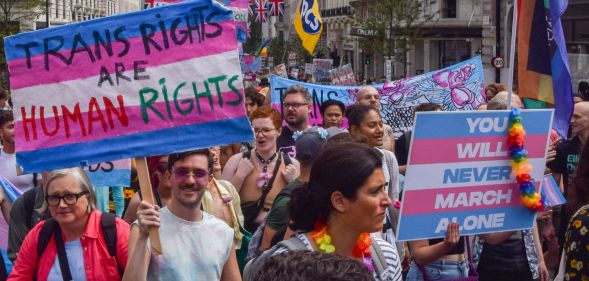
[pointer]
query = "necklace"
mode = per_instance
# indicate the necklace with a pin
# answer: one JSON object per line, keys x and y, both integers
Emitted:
{"x": 265, "y": 177}
{"x": 519, "y": 163}
{"x": 361, "y": 249}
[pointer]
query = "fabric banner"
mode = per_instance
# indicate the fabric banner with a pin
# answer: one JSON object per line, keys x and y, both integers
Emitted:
{"x": 458, "y": 87}
{"x": 343, "y": 75}
{"x": 465, "y": 156}
{"x": 543, "y": 69}
{"x": 145, "y": 83}
{"x": 321, "y": 68}
{"x": 110, "y": 173}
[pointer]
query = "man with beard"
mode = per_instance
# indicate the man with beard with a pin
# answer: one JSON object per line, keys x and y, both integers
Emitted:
{"x": 296, "y": 105}
{"x": 369, "y": 96}
{"x": 194, "y": 244}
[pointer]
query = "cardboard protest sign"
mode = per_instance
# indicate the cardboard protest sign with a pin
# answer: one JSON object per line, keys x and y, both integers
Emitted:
{"x": 459, "y": 170}
{"x": 145, "y": 83}
{"x": 309, "y": 68}
{"x": 110, "y": 173}
{"x": 280, "y": 70}
{"x": 551, "y": 192}
{"x": 321, "y": 69}
{"x": 457, "y": 87}
{"x": 343, "y": 75}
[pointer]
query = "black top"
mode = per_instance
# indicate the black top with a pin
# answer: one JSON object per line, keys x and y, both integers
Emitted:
{"x": 458, "y": 249}
{"x": 566, "y": 161}
{"x": 285, "y": 143}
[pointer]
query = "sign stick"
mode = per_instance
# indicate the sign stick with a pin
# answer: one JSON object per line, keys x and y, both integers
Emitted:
{"x": 147, "y": 192}
{"x": 512, "y": 54}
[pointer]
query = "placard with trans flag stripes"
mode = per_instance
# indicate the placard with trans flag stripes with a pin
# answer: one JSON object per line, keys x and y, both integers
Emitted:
{"x": 459, "y": 170}
{"x": 145, "y": 83}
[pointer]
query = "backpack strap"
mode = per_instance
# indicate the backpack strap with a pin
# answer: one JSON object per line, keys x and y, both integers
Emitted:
{"x": 378, "y": 258}
{"x": 247, "y": 154}
{"x": 49, "y": 229}
{"x": 109, "y": 231}
{"x": 254, "y": 265}
{"x": 29, "y": 202}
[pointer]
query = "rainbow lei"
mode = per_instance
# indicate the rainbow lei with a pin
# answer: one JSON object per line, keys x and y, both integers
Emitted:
{"x": 519, "y": 163}
{"x": 361, "y": 250}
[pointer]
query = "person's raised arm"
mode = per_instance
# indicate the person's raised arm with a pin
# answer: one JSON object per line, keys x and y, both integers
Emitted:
{"x": 423, "y": 253}
{"x": 236, "y": 170}
{"x": 131, "y": 212}
{"x": 139, "y": 256}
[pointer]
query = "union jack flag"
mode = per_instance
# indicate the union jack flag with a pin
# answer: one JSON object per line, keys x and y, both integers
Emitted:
{"x": 250, "y": 8}
{"x": 261, "y": 10}
{"x": 276, "y": 7}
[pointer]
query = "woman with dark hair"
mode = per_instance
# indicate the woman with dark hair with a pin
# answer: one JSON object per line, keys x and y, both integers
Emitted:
{"x": 332, "y": 112}
{"x": 576, "y": 249}
{"x": 365, "y": 121}
{"x": 343, "y": 202}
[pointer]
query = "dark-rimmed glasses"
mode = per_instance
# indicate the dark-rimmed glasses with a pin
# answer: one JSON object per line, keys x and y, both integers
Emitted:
{"x": 293, "y": 105}
{"x": 69, "y": 199}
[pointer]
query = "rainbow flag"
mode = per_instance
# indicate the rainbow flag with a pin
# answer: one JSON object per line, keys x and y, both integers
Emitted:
{"x": 551, "y": 192}
{"x": 543, "y": 70}
{"x": 145, "y": 83}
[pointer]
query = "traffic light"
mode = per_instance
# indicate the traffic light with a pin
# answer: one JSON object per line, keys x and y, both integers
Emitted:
{"x": 367, "y": 60}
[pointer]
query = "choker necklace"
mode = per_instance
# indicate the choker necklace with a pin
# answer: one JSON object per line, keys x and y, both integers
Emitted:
{"x": 265, "y": 177}
{"x": 361, "y": 249}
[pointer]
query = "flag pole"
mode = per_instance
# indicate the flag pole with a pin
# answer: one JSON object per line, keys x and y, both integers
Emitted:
{"x": 512, "y": 54}
{"x": 289, "y": 31}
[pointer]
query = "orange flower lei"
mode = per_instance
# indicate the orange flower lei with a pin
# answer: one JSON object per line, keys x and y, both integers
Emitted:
{"x": 361, "y": 249}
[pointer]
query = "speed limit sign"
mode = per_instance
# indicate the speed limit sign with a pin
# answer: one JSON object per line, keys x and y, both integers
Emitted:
{"x": 498, "y": 62}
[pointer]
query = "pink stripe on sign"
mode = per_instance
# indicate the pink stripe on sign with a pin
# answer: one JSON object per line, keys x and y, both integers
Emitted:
{"x": 461, "y": 198}
{"x": 44, "y": 133}
{"x": 83, "y": 67}
{"x": 124, "y": 164}
{"x": 471, "y": 149}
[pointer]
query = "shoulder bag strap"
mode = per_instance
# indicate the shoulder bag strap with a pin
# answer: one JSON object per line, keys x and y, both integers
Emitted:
{"x": 378, "y": 259}
{"x": 62, "y": 256}
{"x": 271, "y": 182}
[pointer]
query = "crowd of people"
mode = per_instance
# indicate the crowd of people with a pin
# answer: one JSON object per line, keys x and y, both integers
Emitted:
{"x": 299, "y": 202}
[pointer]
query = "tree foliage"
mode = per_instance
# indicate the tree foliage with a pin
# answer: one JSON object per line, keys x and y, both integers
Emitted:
{"x": 397, "y": 23}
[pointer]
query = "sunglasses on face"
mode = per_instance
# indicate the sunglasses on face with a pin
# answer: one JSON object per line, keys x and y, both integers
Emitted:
{"x": 69, "y": 199}
{"x": 182, "y": 174}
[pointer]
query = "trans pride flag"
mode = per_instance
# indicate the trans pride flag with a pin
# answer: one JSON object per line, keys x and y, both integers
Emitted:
{"x": 543, "y": 70}
{"x": 145, "y": 83}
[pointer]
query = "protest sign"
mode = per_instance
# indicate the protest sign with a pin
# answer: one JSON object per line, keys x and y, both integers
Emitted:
{"x": 458, "y": 87}
{"x": 321, "y": 69}
{"x": 280, "y": 70}
{"x": 343, "y": 75}
{"x": 309, "y": 69}
{"x": 459, "y": 170}
{"x": 294, "y": 72}
{"x": 551, "y": 192}
{"x": 250, "y": 64}
{"x": 110, "y": 173}
{"x": 145, "y": 83}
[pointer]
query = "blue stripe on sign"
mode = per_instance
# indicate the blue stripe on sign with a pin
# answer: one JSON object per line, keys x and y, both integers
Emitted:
{"x": 158, "y": 142}
{"x": 454, "y": 124}
{"x": 112, "y": 178}
{"x": 423, "y": 226}
{"x": 130, "y": 22}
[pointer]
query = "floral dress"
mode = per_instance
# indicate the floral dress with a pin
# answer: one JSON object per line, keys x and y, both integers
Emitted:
{"x": 576, "y": 247}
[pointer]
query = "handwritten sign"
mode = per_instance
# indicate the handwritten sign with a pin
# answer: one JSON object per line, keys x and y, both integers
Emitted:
{"x": 110, "y": 173}
{"x": 321, "y": 69}
{"x": 343, "y": 75}
{"x": 469, "y": 179}
{"x": 457, "y": 87}
{"x": 145, "y": 83}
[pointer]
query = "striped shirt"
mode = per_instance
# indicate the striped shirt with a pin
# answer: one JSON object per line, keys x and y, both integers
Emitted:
{"x": 392, "y": 270}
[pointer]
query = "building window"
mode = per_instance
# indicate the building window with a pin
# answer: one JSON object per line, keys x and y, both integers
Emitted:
{"x": 449, "y": 8}
{"x": 453, "y": 51}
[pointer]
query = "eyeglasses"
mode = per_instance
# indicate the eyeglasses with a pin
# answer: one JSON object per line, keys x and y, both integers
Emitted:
{"x": 293, "y": 105}
{"x": 69, "y": 199}
{"x": 161, "y": 167}
{"x": 182, "y": 174}
{"x": 263, "y": 131}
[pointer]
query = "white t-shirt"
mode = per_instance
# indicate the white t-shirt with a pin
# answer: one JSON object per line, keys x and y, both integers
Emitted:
{"x": 8, "y": 170}
{"x": 75, "y": 260}
{"x": 192, "y": 250}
